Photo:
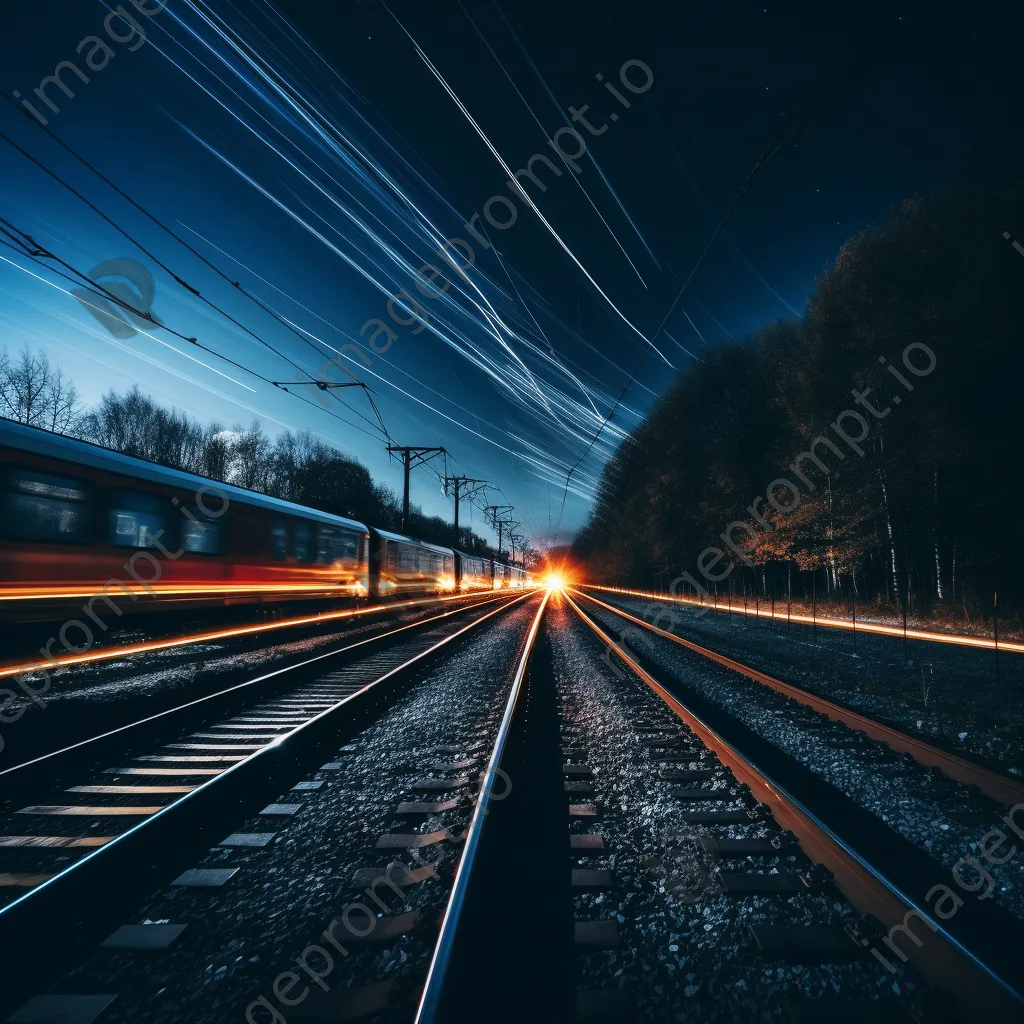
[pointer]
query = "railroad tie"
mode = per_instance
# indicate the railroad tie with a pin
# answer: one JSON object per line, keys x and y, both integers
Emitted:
{"x": 280, "y": 810}
{"x": 205, "y": 878}
{"x": 594, "y": 935}
{"x": 579, "y": 788}
{"x": 455, "y": 766}
{"x": 411, "y": 840}
{"x": 586, "y": 844}
{"x": 381, "y": 929}
{"x": 744, "y": 847}
{"x": 416, "y": 809}
{"x": 805, "y": 944}
{"x": 365, "y": 878}
{"x": 439, "y": 785}
{"x": 689, "y": 775}
{"x": 252, "y": 840}
{"x": 592, "y": 879}
{"x": 144, "y": 936}
{"x": 743, "y": 883}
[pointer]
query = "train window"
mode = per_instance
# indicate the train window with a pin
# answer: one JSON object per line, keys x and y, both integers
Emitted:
{"x": 136, "y": 520}
{"x": 38, "y": 506}
{"x": 392, "y": 556}
{"x": 203, "y": 538}
{"x": 436, "y": 564}
{"x": 325, "y": 541}
{"x": 407, "y": 560}
{"x": 449, "y": 564}
{"x": 301, "y": 547}
{"x": 346, "y": 547}
{"x": 278, "y": 540}
{"x": 335, "y": 545}
{"x": 422, "y": 563}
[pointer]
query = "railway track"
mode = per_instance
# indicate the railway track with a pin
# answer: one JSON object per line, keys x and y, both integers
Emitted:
{"x": 133, "y": 804}
{"x": 531, "y": 830}
{"x": 114, "y": 686}
{"x": 1001, "y": 788}
{"x": 881, "y": 874}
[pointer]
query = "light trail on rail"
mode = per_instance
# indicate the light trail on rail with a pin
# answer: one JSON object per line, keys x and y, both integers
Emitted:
{"x": 832, "y": 623}
{"x": 149, "y": 646}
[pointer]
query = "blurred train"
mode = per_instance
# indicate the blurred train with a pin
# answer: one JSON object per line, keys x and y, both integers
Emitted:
{"x": 83, "y": 528}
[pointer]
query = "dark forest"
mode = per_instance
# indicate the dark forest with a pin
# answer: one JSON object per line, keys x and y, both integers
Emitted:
{"x": 929, "y": 515}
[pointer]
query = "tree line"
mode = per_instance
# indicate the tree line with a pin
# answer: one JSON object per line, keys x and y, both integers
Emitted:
{"x": 295, "y": 466}
{"x": 930, "y": 516}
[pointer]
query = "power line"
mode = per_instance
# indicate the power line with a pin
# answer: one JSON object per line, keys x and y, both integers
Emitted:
{"x": 79, "y": 278}
{"x": 177, "y": 278}
{"x": 412, "y": 455}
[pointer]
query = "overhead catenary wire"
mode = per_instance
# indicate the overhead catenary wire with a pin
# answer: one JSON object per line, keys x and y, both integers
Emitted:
{"x": 84, "y": 282}
{"x": 176, "y": 277}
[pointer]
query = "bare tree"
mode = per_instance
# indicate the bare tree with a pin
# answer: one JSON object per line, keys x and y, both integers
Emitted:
{"x": 250, "y": 460}
{"x": 35, "y": 392}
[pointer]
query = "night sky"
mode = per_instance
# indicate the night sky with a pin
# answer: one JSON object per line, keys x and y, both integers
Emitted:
{"x": 314, "y": 152}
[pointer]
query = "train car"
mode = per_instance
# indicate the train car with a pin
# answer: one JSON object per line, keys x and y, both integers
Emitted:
{"x": 405, "y": 567}
{"x": 87, "y": 530}
{"x": 517, "y": 577}
{"x": 473, "y": 572}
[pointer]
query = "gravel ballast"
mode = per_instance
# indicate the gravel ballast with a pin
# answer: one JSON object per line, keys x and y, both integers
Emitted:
{"x": 686, "y": 951}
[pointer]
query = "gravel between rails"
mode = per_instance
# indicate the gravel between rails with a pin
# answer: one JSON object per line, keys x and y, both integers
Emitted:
{"x": 239, "y": 938}
{"x": 686, "y": 954}
{"x": 947, "y": 695}
{"x": 943, "y": 817}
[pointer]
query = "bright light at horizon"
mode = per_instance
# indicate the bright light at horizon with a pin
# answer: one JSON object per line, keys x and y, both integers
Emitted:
{"x": 554, "y": 582}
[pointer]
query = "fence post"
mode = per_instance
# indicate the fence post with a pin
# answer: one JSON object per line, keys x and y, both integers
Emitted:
{"x": 789, "y": 597}
{"x": 995, "y": 627}
{"x": 814, "y": 605}
{"x": 853, "y": 594}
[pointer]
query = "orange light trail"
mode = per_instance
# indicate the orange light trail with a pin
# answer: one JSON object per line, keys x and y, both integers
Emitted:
{"x": 149, "y": 646}
{"x": 47, "y": 593}
{"x": 862, "y": 627}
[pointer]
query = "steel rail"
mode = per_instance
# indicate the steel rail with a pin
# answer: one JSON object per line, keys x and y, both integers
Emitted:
{"x": 228, "y": 633}
{"x": 940, "y": 958}
{"x": 284, "y": 670}
{"x": 861, "y": 626}
{"x": 1001, "y": 788}
{"x": 430, "y": 1000}
{"x": 95, "y": 885}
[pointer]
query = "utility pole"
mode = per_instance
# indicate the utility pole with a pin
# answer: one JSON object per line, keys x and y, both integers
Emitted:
{"x": 514, "y": 539}
{"x": 412, "y": 455}
{"x": 463, "y": 487}
{"x": 499, "y": 524}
